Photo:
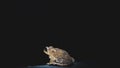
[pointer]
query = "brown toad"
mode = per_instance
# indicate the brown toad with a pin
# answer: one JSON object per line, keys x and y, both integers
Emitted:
{"x": 58, "y": 56}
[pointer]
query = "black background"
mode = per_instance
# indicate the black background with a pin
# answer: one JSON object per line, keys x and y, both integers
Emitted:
{"x": 27, "y": 44}
{"x": 31, "y": 7}
{"x": 51, "y": 8}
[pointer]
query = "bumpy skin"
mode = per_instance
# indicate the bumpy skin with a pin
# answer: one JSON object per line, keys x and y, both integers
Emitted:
{"x": 58, "y": 56}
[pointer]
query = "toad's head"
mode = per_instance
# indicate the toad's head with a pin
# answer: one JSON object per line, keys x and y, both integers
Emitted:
{"x": 49, "y": 50}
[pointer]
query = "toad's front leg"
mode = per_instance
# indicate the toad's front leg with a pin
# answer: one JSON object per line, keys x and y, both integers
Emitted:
{"x": 45, "y": 52}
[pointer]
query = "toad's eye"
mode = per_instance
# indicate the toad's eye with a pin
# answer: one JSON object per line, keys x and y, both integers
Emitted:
{"x": 53, "y": 50}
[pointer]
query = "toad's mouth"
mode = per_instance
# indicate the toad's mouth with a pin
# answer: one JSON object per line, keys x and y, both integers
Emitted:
{"x": 46, "y": 49}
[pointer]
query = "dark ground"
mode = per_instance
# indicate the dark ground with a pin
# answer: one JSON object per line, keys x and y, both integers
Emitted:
{"x": 82, "y": 64}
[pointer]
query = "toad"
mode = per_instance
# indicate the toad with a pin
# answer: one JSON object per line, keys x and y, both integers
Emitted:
{"x": 58, "y": 56}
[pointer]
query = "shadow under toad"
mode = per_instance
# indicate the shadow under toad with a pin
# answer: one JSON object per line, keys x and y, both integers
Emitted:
{"x": 75, "y": 65}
